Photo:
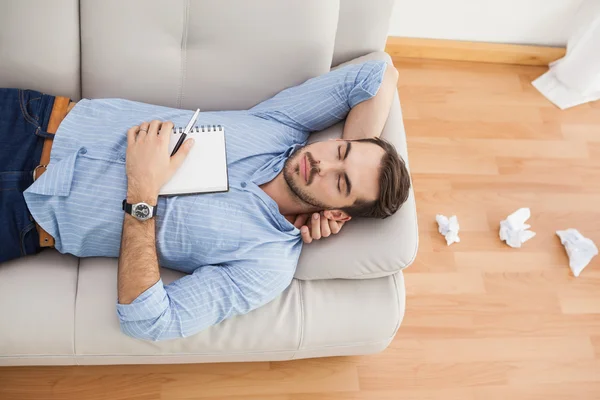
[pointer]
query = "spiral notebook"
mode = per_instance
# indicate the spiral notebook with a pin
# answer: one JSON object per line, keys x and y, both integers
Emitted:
{"x": 204, "y": 170}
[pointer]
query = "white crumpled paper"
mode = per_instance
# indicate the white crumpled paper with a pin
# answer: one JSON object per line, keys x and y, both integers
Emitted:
{"x": 448, "y": 227}
{"x": 580, "y": 249}
{"x": 514, "y": 231}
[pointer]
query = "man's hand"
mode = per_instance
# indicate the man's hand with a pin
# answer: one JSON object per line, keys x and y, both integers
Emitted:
{"x": 149, "y": 165}
{"x": 315, "y": 226}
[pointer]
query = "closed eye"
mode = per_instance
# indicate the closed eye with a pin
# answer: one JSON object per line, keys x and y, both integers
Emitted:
{"x": 348, "y": 185}
{"x": 339, "y": 177}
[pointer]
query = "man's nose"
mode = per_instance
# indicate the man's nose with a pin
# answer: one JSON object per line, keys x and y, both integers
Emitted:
{"x": 326, "y": 167}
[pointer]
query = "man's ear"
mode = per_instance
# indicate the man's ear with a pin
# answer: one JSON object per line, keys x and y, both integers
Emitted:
{"x": 337, "y": 215}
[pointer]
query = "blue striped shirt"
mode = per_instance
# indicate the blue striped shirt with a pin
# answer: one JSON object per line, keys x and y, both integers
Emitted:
{"x": 238, "y": 250}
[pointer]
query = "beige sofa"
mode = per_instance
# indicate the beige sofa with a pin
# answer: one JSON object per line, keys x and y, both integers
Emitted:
{"x": 348, "y": 295}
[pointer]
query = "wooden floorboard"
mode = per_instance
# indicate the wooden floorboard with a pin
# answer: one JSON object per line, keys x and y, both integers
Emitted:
{"x": 483, "y": 321}
{"x": 456, "y": 50}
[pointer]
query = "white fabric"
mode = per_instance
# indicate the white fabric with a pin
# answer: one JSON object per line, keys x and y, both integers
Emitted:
{"x": 575, "y": 78}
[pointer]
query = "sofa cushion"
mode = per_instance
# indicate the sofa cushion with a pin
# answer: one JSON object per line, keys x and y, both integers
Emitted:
{"x": 340, "y": 312}
{"x": 366, "y": 248}
{"x": 309, "y": 319}
{"x": 225, "y": 55}
{"x": 37, "y": 304}
{"x": 274, "y": 327}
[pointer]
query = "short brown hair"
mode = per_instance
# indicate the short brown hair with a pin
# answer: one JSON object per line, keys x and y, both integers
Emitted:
{"x": 394, "y": 185}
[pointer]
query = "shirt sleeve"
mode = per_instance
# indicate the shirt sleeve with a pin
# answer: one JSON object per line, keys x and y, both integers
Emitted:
{"x": 325, "y": 100}
{"x": 197, "y": 301}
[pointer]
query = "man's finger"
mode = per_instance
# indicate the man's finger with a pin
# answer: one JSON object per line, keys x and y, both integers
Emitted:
{"x": 305, "y": 233}
{"x": 301, "y": 220}
{"x": 154, "y": 128}
{"x": 325, "y": 231}
{"x": 142, "y": 130}
{"x": 334, "y": 226}
{"x": 145, "y": 126}
{"x": 316, "y": 226}
{"x": 132, "y": 134}
{"x": 181, "y": 154}
{"x": 164, "y": 135}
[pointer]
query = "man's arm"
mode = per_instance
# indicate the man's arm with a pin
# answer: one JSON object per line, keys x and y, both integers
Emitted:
{"x": 138, "y": 263}
{"x": 325, "y": 100}
{"x": 149, "y": 167}
{"x": 368, "y": 118}
{"x": 195, "y": 302}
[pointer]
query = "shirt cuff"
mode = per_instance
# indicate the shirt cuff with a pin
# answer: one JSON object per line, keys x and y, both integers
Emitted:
{"x": 368, "y": 81}
{"x": 149, "y": 305}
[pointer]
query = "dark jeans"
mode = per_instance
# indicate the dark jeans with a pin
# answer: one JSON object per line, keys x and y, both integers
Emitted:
{"x": 24, "y": 116}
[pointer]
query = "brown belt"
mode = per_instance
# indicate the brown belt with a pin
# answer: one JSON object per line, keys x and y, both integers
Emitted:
{"x": 62, "y": 105}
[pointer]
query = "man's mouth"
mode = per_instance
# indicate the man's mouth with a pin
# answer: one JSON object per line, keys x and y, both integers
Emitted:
{"x": 302, "y": 168}
{"x": 306, "y": 169}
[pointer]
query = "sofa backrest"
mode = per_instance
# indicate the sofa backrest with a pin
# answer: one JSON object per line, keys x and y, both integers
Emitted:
{"x": 223, "y": 55}
{"x": 362, "y": 28}
{"x": 228, "y": 54}
{"x": 39, "y": 46}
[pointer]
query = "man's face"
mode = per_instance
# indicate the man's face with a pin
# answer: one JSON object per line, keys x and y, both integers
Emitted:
{"x": 333, "y": 174}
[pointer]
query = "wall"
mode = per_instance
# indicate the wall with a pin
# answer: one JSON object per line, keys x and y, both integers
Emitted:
{"x": 541, "y": 22}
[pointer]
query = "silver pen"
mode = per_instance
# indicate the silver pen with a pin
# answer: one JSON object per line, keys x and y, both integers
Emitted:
{"x": 187, "y": 130}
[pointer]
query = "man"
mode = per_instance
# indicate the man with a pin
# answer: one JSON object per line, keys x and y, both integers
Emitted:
{"x": 239, "y": 248}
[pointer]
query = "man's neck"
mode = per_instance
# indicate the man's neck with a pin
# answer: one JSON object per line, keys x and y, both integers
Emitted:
{"x": 277, "y": 190}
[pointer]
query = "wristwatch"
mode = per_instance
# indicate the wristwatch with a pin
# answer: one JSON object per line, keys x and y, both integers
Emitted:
{"x": 141, "y": 211}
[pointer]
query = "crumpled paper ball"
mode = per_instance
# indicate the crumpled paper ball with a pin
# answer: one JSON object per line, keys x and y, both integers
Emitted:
{"x": 448, "y": 227}
{"x": 514, "y": 231}
{"x": 580, "y": 249}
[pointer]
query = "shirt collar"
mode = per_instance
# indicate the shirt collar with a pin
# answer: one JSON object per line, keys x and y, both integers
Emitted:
{"x": 266, "y": 174}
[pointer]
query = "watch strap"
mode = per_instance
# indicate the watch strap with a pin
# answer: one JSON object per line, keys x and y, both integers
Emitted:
{"x": 127, "y": 207}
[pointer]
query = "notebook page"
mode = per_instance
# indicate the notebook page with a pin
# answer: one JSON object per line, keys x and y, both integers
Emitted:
{"x": 204, "y": 170}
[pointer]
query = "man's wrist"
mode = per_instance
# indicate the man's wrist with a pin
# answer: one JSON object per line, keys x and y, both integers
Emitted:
{"x": 140, "y": 196}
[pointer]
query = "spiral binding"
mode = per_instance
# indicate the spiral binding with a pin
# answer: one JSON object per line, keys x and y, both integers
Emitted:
{"x": 201, "y": 128}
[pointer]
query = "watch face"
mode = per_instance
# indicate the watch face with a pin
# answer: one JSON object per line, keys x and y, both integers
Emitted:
{"x": 141, "y": 211}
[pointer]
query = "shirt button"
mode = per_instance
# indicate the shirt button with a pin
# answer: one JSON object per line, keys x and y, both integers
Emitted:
{"x": 83, "y": 150}
{"x": 243, "y": 184}
{"x": 275, "y": 169}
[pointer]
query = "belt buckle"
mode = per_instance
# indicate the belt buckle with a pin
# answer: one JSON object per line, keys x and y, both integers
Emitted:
{"x": 35, "y": 171}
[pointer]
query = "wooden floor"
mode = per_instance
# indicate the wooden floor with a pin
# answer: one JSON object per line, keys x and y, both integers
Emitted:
{"x": 483, "y": 321}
